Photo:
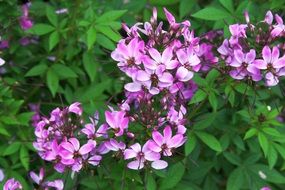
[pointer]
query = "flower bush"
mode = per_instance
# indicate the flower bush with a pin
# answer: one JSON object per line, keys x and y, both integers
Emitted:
{"x": 142, "y": 95}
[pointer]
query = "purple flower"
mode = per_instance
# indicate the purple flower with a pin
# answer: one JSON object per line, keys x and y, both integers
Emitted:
{"x": 166, "y": 143}
{"x": 271, "y": 63}
{"x": 142, "y": 155}
{"x": 38, "y": 179}
{"x": 160, "y": 59}
{"x": 4, "y": 44}
{"x": 189, "y": 62}
{"x": 12, "y": 184}
{"x": 243, "y": 64}
{"x": 114, "y": 145}
{"x": 75, "y": 108}
{"x": 268, "y": 18}
{"x": 117, "y": 121}
{"x": 57, "y": 184}
{"x": 265, "y": 188}
{"x": 129, "y": 55}
{"x": 278, "y": 29}
{"x": 72, "y": 154}
{"x": 25, "y": 21}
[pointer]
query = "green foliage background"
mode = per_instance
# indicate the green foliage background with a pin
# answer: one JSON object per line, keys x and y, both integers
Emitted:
{"x": 233, "y": 138}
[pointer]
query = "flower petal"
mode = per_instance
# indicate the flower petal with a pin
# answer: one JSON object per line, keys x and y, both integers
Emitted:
{"x": 155, "y": 55}
{"x": 133, "y": 87}
{"x": 158, "y": 138}
{"x": 279, "y": 63}
{"x": 250, "y": 56}
{"x": 260, "y": 64}
{"x": 135, "y": 165}
{"x": 159, "y": 164}
{"x": 266, "y": 54}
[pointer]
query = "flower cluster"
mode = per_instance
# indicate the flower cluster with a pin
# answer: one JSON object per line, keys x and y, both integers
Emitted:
{"x": 258, "y": 59}
{"x": 57, "y": 139}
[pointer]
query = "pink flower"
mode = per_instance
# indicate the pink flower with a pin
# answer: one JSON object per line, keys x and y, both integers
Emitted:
{"x": 38, "y": 179}
{"x": 75, "y": 108}
{"x": 279, "y": 28}
{"x": 265, "y": 188}
{"x": 129, "y": 55}
{"x": 117, "y": 121}
{"x": 155, "y": 78}
{"x": 57, "y": 184}
{"x": 25, "y": 22}
{"x": 189, "y": 62}
{"x": 166, "y": 143}
{"x": 271, "y": 63}
{"x": 268, "y": 17}
{"x": 142, "y": 155}
{"x": 72, "y": 154}
{"x": 12, "y": 184}
{"x": 114, "y": 145}
{"x": 243, "y": 63}
{"x": 160, "y": 59}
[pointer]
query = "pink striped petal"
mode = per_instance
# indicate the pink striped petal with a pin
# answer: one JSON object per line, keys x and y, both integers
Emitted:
{"x": 260, "y": 64}
{"x": 266, "y": 54}
{"x": 135, "y": 165}
{"x": 155, "y": 55}
{"x": 158, "y": 138}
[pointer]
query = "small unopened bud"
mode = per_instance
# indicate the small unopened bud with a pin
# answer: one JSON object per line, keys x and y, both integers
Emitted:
{"x": 269, "y": 108}
{"x": 262, "y": 175}
{"x": 130, "y": 135}
{"x": 246, "y": 15}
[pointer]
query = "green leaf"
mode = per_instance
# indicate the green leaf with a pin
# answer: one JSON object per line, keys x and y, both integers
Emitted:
{"x": 105, "y": 42}
{"x": 41, "y": 29}
{"x": 250, "y": 133}
{"x": 91, "y": 37}
{"x": 228, "y": 4}
{"x": 232, "y": 158}
{"x": 51, "y": 15}
{"x": 213, "y": 101}
{"x": 272, "y": 132}
{"x": 190, "y": 144}
{"x": 199, "y": 96}
{"x": 151, "y": 184}
{"x": 212, "y": 76}
{"x": 24, "y": 157}
{"x": 272, "y": 156}
{"x": 110, "y": 16}
{"x": 280, "y": 149}
{"x": 174, "y": 175}
{"x": 109, "y": 32}
{"x": 205, "y": 120}
{"x": 271, "y": 174}
{"x": 64, "y": 71}
{"x": 52, "y": 81}
{"x": 3, "y": 130}
{"x": 90, "y": 65}
{"x": 263, "y": 143}
{"x": 185, "y": 7}
{"x": 236, "y": 179}
{"x": 53, "y": 40}
{"x": 211, "y": 13}
{"x": 209, "y": 140}
{"x": 12, "y": 148}
{"x": 36, "y": 70}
